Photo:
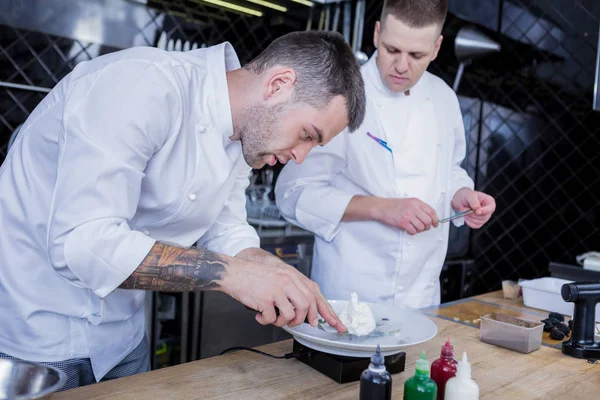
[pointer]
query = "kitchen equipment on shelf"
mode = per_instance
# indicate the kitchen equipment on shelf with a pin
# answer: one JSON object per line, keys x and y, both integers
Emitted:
{"x": 471, "y": 44}
{"x": 171, "y": 44}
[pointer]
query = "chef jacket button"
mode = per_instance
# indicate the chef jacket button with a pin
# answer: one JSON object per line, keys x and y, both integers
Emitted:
{"x": 146, "y": 232}
{"x": 405, "y": 194}
{"x": 201, "y": 128}
{"x": 378, "y": 104}
{"x": 443, "y": 191}
{"x": 192, "y": 196}
{"x": 408, "y": 242}
{"x": 432, "y": 284}
{"x": 400, "y": 288}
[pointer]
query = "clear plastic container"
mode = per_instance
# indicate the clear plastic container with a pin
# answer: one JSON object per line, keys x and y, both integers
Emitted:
{"x": 544, "y": 294}
{"x": 511, "y": 332}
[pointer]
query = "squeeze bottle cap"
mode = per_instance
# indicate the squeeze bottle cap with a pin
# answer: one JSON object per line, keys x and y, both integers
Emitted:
{"x": 422, "y": 365}
{"x": 464, "y": 367}
{"x": 447, "y": 349}
{"x": 377, "y": 359}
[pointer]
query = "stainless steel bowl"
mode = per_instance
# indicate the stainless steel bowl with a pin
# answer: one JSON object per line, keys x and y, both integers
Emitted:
{"x": 21, "y": 380}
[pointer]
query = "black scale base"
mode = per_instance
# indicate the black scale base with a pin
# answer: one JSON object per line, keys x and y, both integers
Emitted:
{"x": 344, "y": 369}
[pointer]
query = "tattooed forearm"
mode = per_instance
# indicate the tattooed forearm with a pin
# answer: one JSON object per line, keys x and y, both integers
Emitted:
{"x": 168, "y": 268}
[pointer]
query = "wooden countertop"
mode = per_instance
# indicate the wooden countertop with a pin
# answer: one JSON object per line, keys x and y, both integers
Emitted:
{"x": 500, "y": 373}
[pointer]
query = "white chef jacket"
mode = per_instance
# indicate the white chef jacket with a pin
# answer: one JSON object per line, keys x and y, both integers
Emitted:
{"x": 380, "y": 263}
{"x": 128, "y": 149}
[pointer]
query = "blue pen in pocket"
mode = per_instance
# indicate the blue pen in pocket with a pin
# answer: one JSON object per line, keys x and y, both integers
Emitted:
{"x": 380, "y": 141}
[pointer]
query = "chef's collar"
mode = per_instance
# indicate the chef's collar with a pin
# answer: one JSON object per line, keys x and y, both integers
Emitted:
{"x": 220, "y": 59}
{"x": 375, "y": 81}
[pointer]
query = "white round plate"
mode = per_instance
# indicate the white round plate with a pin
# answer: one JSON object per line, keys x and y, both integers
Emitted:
{"x": 397, "y": 327}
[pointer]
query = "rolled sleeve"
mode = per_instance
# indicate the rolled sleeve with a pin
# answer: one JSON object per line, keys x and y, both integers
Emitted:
{"x": 322, "y": 209}
{"x": 304, "y": 192}
{"x": 231, "y": 232}
{"x": 112, "y": 125}
{"x": 117, "y": 254}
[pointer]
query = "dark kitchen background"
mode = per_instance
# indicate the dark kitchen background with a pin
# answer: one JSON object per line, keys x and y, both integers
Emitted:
{"x": 533, "y": 136}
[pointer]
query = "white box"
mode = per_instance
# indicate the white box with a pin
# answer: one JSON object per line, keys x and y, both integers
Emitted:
{"x": 592, "y": 263}
{"x": 544, "y": 293}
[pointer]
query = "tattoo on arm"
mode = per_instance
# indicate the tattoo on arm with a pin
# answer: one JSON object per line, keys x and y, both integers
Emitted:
{"x": 168, "y": 268}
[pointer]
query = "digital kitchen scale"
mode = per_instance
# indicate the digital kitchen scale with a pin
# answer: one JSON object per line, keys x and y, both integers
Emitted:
{"x": 344, "y": 369}
{"x": 343, "y": 357}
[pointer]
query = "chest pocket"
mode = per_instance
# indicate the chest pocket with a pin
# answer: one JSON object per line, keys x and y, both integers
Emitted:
{"x": 370, "y": 165}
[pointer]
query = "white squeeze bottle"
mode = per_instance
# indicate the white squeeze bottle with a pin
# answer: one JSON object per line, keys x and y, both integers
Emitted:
{"x": 462, "y": 387}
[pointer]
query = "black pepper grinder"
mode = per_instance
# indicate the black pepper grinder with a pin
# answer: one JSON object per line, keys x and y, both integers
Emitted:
{"x": 376, "y": 381}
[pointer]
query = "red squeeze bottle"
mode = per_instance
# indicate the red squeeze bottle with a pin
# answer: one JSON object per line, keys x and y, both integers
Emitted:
{"x": 443, "y": 368}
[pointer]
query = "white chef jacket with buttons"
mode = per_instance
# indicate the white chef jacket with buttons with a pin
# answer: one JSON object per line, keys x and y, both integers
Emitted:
{"x": 129, "y": 149}
{"x": 381, "y": 264}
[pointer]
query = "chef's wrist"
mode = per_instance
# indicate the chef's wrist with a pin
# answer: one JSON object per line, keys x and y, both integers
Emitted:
{"x": 363, "y": 208}
{"x": 258, "y": 255}
{"x": 230, "y": 283}
{"x": 247, "y": 254}
{"x": 375, "y": 207}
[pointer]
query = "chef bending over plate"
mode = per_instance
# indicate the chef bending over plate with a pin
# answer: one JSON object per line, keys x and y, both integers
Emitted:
{"x": 132, "y": 159}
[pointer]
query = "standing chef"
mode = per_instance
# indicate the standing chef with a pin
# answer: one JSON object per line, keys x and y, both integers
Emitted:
{"x": 130, "y": 160}
{"x": 373, "y": 198}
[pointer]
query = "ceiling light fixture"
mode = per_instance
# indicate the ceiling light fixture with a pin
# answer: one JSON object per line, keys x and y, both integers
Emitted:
{"x": 304, "y": 2}
{"x": 234, "y": 7}
{"x": 269, "y": 5}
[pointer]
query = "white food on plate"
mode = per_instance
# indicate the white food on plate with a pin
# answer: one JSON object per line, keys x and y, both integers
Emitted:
{"x": 357, "y": 317}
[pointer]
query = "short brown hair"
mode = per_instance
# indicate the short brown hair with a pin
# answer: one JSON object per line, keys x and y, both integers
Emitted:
{"x": 325, "y": 67}
{"x": 416, "y": 13}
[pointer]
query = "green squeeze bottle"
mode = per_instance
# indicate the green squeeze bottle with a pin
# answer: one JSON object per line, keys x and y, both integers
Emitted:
{"x": 420, "y": 386}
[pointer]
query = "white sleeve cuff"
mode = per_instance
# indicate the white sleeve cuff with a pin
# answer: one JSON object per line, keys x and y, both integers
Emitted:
{"x": 322, "y": 216}
{"x": 232, "y": 241}
{"x": 458, "y": 222}
{"x": 233, "y": 247}
{"x": 105, "y": 268}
